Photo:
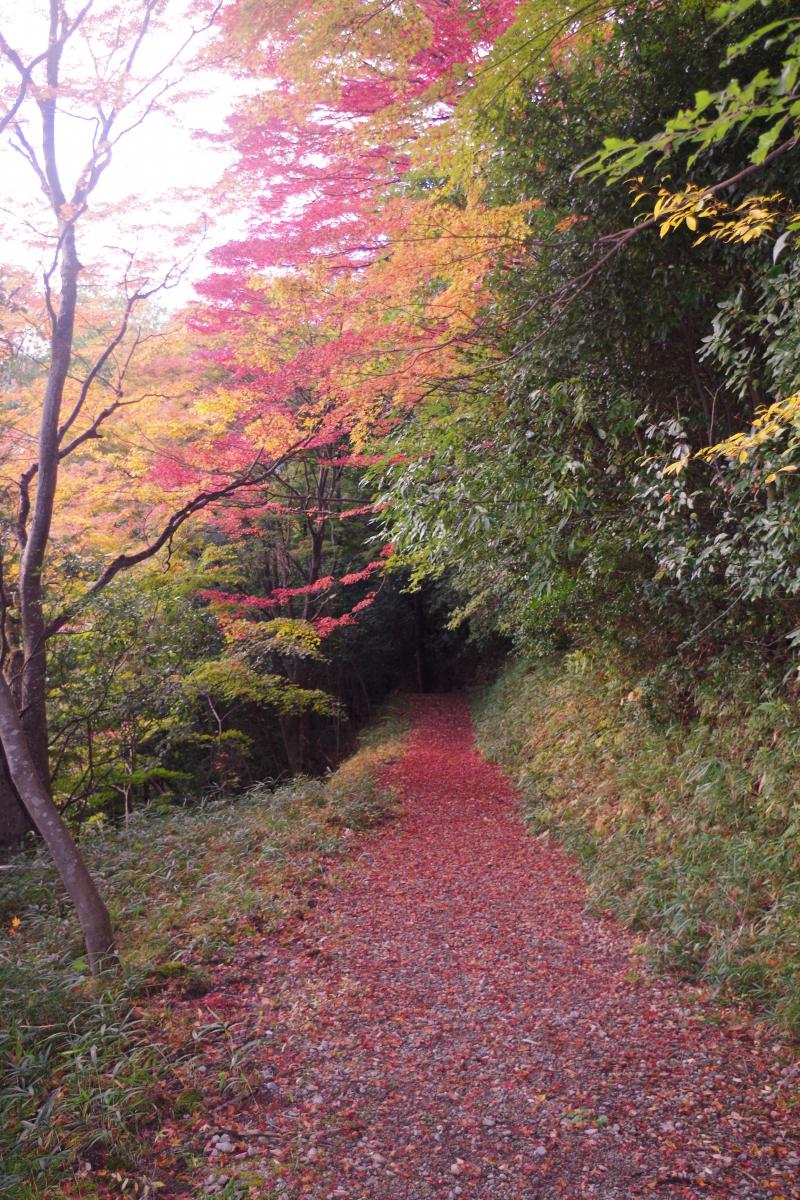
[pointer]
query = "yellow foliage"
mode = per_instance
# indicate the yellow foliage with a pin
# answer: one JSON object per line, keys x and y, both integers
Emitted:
{"x": 768, "y": 424}
{"x": 750, "y": 219}
{"x": 361, "y": 342}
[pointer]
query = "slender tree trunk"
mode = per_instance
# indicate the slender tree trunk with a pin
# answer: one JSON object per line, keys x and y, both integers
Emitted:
{"x": 14, "y": 821}
{"x": 34, "y": 692}
{"x": 92, "y": 912}
{"x": 293, "y": 743}
{"x": 33, "y": 697}
{"x": 420, "y": 657}
{"x": 23, "y": 718}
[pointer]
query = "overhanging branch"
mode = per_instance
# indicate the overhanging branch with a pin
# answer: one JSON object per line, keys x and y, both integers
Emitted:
{"x": 257, "y": 472}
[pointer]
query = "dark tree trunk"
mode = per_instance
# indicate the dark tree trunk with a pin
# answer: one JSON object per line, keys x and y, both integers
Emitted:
{"x": 92, "y": 912}
{"x": 14, "y": 821}
{"x": 420, "y": 657}
{"x": 294, "y": 735}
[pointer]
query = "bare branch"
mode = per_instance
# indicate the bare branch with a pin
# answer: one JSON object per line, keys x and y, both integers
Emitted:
{"x": 105, "y": 140}
{"x": 150, "y": 8}
{"x": 29, "y": 154}
{"x": 25, "y": 73}
{"x": 96, "y": 368}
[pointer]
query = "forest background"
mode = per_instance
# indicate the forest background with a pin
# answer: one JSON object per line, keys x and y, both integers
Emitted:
{"x": 507, "y": 362}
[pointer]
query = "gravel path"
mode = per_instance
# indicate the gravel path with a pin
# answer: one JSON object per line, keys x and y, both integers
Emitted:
{"x": 452, "y": 1022}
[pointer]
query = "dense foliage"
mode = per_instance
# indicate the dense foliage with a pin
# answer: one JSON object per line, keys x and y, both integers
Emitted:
{"x": 547, "y": 484}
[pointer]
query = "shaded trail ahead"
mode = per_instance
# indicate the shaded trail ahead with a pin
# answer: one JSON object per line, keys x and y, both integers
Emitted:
{"x": 455, "y": 1023}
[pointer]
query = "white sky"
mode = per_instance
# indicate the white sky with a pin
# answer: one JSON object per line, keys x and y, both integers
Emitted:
{"x": 160, "y": 179}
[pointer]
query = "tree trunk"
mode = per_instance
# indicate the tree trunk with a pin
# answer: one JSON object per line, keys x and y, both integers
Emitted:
{"x": 420, "y": 657}
{"x": 33, "y": 684}
{"x": 14, "y": 821}
{"x": 23, "y": 716}
{"x": 33, "y": 706}
{"x": 92, "y": 912}
{"x": 293, "y": 735}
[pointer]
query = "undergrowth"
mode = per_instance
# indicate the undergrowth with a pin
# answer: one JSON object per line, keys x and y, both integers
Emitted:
{"x": 83, "y": 1068}
{"x": 688, "y": 832}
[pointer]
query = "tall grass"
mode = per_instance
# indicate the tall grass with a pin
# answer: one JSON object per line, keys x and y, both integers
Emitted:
{"x": 689, "y": 832}
{"x": 83, "y": 1067}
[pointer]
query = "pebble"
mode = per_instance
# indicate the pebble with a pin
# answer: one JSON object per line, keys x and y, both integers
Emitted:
{"x": 220, "y": 1143}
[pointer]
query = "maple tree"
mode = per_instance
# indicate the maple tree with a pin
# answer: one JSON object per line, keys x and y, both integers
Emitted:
{"x": 364, "y": 276}
{"x": 364, "y": 282}
{"x": 273, "y": 639}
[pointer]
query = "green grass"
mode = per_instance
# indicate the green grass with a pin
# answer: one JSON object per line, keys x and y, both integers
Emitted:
{"x": 84, "y": 1069}
{"x": 689, "y": 833}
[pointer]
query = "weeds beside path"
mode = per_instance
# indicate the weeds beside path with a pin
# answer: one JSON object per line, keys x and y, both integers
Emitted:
{"x": 89, "y": 1070}
{"x": 450, "y": 1021}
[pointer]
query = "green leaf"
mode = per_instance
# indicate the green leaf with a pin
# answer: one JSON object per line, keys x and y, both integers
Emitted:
{"x": 767, "y": 141}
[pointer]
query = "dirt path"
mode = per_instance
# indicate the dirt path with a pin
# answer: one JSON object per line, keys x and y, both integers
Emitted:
{"x": 454, "y": 1023}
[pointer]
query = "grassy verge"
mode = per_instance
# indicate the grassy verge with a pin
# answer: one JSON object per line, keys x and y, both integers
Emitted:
{"x": 83, "y": 1071}
{"x": 689, "y": 833}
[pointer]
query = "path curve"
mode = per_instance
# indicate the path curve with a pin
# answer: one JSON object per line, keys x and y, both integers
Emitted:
{"x": 457, "y": 1024}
